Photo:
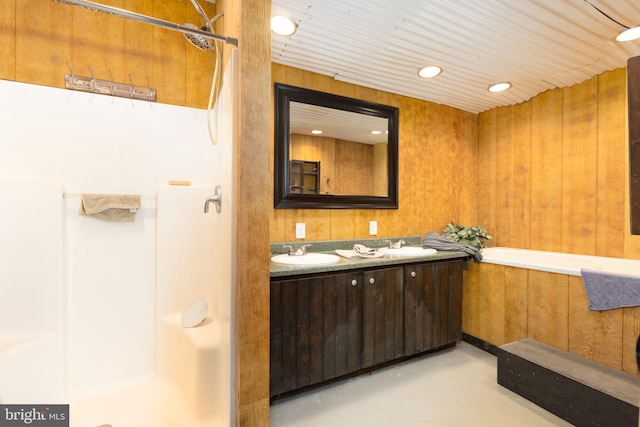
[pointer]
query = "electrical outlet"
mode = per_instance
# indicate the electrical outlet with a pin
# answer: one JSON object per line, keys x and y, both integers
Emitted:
{"x": 373, "y": 228}
{"x": 300, "y": 230}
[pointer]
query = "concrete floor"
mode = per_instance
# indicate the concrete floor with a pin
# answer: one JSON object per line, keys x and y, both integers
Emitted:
{"x": 454, "y": 387}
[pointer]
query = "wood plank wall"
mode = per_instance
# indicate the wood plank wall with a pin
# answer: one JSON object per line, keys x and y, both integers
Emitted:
{"x": 40, "y": 39}
{"x": 554, "y": 171}
{"x": 554, "y": 176}
{"x": 438, "y": 168}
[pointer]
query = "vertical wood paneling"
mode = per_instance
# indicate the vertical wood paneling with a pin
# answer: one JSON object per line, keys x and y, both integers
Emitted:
{"x": 415, "y": 140}
{"x": 596, "y": 335}
{"x": 516, "y": 290}
{"x": 491, "y": 305}
{"x": 471, "y": 292}
{"x": 504, "y": 185}
{"x": 343, "y": 224}
{"x": 565, "y": 184}
{"x": 612, "y": 147}
{"x": 8, "y": 39}
{"x": 546, "y": 172}
{"x": 444, "y": 161}
{"x": 520, "y": 212}
{"x": 90, "y": 30}
{"x": 579, "y": 167}
{"x": 487, "y": 184}
{"x": 43, "y": 42}
{"x": 548, "y": 297}
{"x": 465, "y": 128}
{"x": 169, "y": 55}
{"x": 138, "y": 44}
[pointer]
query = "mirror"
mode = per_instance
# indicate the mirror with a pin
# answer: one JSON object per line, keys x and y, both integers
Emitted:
{"x": 334, "y": 152}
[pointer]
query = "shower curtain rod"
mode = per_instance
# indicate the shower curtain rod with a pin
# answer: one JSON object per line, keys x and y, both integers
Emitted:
{"x": 148, "y": 20}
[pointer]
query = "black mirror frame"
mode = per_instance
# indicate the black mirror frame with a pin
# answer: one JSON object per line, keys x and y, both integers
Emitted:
{"x": 283, "y": 199}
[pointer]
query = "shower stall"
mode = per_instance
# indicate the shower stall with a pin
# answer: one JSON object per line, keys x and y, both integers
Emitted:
{"x": 90, "y": 311}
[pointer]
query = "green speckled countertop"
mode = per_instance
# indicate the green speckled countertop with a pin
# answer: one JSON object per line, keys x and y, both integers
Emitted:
{"x": 329, "y": 246}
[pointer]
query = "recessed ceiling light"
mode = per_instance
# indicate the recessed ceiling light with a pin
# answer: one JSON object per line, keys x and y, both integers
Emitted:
{"x": 282, "y": 25}
{"x": 629, "y": 34}
{"x": 376, "y": 132}
{"x": 499, "y": 87}
{"x": 429, "y": 71}
{"x": 316, "y": 132}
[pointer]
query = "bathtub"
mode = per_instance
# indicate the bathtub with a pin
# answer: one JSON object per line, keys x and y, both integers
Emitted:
{"x": 558, "y": 262}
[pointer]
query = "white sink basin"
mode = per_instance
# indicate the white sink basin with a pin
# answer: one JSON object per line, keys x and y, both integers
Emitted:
{"x": 308, "y": 259}
{"x": 407, "y": 251}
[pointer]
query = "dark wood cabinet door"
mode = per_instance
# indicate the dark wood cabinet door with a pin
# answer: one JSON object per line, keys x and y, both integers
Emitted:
{"x": 418, "y": 308}
{"x": 316, "y": 330}
{"x": 432, "y": 305}
{"x": 447, "y": 287}
{"x": 383, "y": 338}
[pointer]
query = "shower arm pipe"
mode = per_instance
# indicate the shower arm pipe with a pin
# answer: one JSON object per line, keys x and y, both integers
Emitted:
{"x": 198, "y": 8}
{"x": 147, "y": 20}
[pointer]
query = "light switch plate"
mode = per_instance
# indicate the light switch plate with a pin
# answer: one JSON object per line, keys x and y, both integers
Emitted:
{"x": 300, "y": 230}
{"x": 373, "y": 228}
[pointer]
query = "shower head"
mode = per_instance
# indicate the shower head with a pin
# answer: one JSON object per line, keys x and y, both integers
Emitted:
{"x": 197, "y": 40}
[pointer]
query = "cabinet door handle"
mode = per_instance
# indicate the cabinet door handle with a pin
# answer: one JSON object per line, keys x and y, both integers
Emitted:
{"x": 413, "y": 274}
{"x": 354, "y": 282}
{"x": 372, "y": 281}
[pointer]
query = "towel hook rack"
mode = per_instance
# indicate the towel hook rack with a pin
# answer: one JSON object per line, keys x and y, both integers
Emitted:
{"x": 109, "y": 87}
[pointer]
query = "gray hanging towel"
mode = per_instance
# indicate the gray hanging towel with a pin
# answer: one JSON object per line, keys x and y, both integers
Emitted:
{"x": 608, "y": 291}
{"x": 435, "y": 241}
{"x": 110, "y": 207}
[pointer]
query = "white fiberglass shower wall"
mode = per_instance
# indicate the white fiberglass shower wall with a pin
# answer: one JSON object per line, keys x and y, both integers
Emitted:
{"x": 90, "y": 310}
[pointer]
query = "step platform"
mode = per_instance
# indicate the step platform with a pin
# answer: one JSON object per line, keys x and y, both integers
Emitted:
{"x": 576, "y": 389}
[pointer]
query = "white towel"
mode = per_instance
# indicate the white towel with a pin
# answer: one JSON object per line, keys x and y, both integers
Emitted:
{"x": 110, "y": 207}
{"x": 353, "y": 254}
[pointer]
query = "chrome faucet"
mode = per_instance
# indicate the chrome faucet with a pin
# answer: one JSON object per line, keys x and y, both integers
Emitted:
{"x": 302, "y": 250}
{"x": 397, "y": 245}
{"x": 216, "y": 198}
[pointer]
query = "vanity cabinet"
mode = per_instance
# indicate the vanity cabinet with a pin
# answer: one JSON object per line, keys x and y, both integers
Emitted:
{"x": 325, "y": 326}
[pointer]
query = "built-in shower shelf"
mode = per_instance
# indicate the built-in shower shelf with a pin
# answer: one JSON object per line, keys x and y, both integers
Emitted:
{"x": 109, "y": 87}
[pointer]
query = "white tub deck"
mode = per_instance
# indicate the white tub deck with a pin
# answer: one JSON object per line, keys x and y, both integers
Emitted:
{"x": 558, "y": 262}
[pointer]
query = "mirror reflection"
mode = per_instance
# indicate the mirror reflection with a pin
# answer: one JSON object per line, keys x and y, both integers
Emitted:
{"x": 337, "y": 152}
{"x": 333, "y": 151}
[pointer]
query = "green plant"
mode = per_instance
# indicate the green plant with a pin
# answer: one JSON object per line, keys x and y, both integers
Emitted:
{"x": 472, "y": 236}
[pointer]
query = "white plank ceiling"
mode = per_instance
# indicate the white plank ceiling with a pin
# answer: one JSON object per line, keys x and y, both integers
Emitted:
{"x": 535, "y": 45}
